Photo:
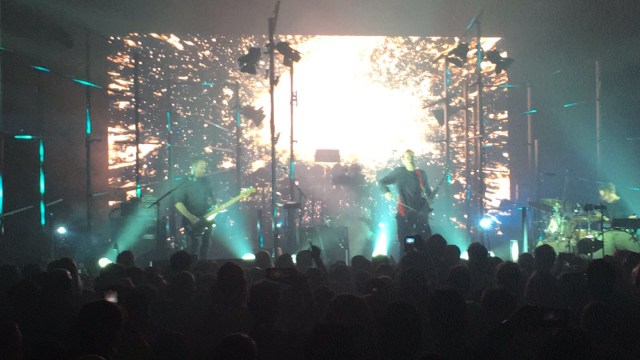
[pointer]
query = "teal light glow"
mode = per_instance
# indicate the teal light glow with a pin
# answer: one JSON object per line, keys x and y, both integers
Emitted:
{"x": 41, "y": 150}
{"x": 382, "y": 241}
{"x": 259, "y": 231}
{"x": 43, "y": 218}
{"x": 1, "y": 194}
{"x": 138, "y": 191}
{"x": 486, "y": 223}
{"x": 207, "y": 83}
{"x": 248, "y": 257}
{"x": 24, "y": 137}
{"x": 87, "y": 83}
{"x": 570, "y": 105}
{"x": 103, "y": 262}
{"x": 40, "y": 68}
{"x": 42, "y": 182}
{"x": 532, "y": 111}
{"x": 88, "y": 120}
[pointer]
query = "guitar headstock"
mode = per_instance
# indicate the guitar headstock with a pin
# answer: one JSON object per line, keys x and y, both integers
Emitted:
{"x": 245, "y": 192}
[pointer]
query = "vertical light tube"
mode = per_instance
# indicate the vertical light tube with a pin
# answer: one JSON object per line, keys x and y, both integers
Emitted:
{"x": 43, "y": 215}
{"x": 598, "y": 124}
{"x": 514, "y": 250}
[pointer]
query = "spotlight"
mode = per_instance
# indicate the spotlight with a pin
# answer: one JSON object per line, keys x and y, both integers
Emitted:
{"x": 458, "y": 56}
{"x": 514, "y": 250}
{"x": 439, "y": 115}
{"x": 486, "y": 222}
{"x": 103, "y": 262}
{"x": 248, "y": 257}
{"x": 249, "y": 61}
{"x": 255, "y": 115}
{"x": 497, "y": 59}
{"x": 290, "y": 55}
{"x": 61, "y": 230}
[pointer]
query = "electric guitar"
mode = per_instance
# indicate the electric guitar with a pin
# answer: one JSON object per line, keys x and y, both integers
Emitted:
{"x": 208, "y": 218}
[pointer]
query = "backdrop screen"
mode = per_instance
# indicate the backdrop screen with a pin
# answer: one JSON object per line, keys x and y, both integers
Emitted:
{"x": 358, "y": 103}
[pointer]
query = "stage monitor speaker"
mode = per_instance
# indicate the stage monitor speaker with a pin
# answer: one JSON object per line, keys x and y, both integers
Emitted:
{"x": 135, "y": 228}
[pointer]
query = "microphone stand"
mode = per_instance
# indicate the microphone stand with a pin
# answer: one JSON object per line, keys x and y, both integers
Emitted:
{"x": 563, "y": 220}
{"x": 602, "y": 210}
{"x": 159, "y": 238}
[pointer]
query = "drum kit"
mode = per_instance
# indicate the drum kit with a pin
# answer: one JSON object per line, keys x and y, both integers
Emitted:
{"x": 569, "y": 227}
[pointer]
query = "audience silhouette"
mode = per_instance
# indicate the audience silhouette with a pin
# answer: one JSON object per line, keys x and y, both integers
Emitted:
{"x": 428, "y": 305}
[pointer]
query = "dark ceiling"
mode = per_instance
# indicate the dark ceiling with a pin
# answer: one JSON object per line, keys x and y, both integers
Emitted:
{"x": 555, "y": 43}
{"x": 540, "y": 30}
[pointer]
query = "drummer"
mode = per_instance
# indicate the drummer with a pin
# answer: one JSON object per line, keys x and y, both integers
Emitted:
{"x": 616, "y": 207}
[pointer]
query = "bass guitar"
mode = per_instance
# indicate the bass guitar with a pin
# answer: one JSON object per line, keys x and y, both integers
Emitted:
{"x": 208, "y": 218}
{"x": 429, "y": 198}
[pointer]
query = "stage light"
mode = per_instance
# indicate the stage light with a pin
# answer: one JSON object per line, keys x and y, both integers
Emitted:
{"x": 497, "y": 59}
{"x": 381, "y": 246}
{"x": 103, "y": 262}
{"x": 486, "y": 222}
{"x": 458, "y": 56}
{"x": 249, "y": 61}
{"x": 290, "y": 55}
{"x": 61, "y": 230}
{"x": 514, "y": 249}
{"x": 248, "y": 257}
{"x": 439, "y": 115}
{"x": 255, "y": 115}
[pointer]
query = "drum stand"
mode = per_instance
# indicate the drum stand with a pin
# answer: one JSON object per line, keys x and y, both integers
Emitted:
{"x": 589, "y": 208}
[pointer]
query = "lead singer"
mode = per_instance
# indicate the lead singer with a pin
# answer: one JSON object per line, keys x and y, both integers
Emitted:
{"x": 413, "y": 191}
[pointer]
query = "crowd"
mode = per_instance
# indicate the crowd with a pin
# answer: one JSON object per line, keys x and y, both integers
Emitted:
{"x": 428, "y": 305}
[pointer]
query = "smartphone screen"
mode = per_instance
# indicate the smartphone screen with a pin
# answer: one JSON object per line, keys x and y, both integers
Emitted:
{"x": 111, "y": 296}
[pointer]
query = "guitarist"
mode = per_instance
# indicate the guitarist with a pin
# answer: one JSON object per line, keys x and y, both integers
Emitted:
{"x": 413, "y": 191}
{"x": 192, "y": 200}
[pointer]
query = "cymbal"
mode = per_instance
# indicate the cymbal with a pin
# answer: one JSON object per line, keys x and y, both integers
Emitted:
{"x": 552, "y": 202}
{"x": 546, "y": 204}
{"x": 586, "y": 218}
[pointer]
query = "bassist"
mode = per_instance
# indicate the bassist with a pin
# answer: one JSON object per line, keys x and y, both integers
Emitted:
{"x": 412, "y": 186}
{"x": 192, "y": 200}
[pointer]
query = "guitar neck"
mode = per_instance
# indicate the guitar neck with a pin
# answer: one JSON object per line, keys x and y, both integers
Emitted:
{"x": 228, "y": 203}
{"x": 437, "y": 188}
{"x": 219, "y": 208}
